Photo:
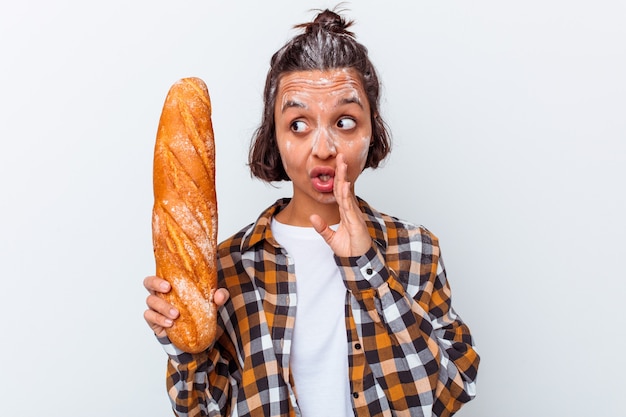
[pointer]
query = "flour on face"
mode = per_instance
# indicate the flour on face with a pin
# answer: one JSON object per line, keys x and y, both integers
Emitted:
{"x": 318, "y": 115}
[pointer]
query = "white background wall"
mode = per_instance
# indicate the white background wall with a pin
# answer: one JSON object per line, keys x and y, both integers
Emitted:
{"x": 509, "y": 143}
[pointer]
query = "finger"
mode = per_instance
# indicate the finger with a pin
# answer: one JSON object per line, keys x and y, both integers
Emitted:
{"x": 221, "y": 296}
{"x": 155, "y": 284}
{"x": 156, "y": 320}
{"x": 341, "y": 172}
{"x": 157, "y": 323}
{"x": 322, "y": 228}
{"x": 162, "y": 307}
{"x": 342, "y": 186}
{"x": 348, "y": 205}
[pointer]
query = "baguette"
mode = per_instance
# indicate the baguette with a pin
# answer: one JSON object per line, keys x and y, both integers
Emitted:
{"x": 184, "y": 215}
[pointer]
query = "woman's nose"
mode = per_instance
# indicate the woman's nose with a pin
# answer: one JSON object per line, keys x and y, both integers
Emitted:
{"x": 324, "y": 144}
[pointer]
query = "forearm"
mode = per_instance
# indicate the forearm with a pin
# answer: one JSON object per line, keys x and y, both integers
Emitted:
{"x": 187, "y": 382}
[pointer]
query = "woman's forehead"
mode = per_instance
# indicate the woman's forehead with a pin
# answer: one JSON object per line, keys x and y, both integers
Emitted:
{"x": 320, "y": 79}
{"x": 344, "y": 83}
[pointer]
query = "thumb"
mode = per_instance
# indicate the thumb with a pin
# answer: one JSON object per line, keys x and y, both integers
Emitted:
{"x": 220, "y": 296}
{"x": 321, "y": 227}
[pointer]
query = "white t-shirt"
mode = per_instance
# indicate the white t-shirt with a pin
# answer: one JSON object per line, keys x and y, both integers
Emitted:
{"x": 319, "y": 350}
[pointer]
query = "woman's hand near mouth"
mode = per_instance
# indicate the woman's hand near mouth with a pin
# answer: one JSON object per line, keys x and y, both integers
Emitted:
{"x": 351, "y": 237}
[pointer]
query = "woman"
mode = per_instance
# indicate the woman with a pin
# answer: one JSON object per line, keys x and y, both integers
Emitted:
{"x": 328, "y": 307}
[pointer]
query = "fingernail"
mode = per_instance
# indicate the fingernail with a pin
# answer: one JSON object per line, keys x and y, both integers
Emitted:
{"x": 168, "y": 322}
{"x": 165, "y": 286}
{"x": 173, "y": 312}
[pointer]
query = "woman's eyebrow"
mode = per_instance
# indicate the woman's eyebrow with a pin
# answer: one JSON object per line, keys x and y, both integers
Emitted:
{"x": 341, "y": 102}
{"x": 349, "y": 100}
{"x": 292, "y": 103}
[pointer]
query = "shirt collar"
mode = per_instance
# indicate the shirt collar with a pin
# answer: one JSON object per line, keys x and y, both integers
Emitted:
{"x": 261, "y": 229}
{"x": 375, "y": 224}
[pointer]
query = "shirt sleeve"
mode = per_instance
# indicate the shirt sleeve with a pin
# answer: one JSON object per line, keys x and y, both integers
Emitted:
{"x": 406, "y": 314}
{"x": 197, "y": 384}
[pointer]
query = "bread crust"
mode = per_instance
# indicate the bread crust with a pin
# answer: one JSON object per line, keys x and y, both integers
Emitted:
{"x": 184, "y": 215}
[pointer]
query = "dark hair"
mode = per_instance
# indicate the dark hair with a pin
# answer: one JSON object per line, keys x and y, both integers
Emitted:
{"x": 325, "y": 44}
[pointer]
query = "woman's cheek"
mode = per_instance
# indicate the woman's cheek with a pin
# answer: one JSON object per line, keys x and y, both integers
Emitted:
{"x": 290, "y": 153}
{"x": 356, "y": 152}
{"x": 361, "y": 149}
{"x": 365, "y": 148}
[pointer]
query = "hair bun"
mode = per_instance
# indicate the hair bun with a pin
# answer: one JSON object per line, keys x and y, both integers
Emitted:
{"x": 329, "y": 21}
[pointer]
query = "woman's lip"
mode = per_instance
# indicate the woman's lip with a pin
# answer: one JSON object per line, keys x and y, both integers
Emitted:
{"x": 323, "y": 185}
{"x": 317, "y": 171}
{"x": 323, "y": 179}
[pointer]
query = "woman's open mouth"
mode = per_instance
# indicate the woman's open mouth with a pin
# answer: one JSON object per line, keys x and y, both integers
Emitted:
{"x": 323, "y": 179}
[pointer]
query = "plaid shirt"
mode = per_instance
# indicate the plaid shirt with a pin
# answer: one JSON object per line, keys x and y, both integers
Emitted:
{"x": 409, "y": 353}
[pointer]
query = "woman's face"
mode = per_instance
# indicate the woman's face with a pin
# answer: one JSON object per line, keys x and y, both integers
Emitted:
{"x": 319, "y": 114}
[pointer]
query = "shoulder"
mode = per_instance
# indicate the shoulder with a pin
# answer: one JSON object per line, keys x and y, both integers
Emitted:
{"x": 231, "y": 249}
{"x": 233, "y": 243}
{"x": 395, "y": 231}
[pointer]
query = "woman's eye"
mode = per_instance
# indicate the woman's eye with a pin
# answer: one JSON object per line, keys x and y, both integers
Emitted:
{"x": 346, "y": 123}
{"x": 298, "y": 126}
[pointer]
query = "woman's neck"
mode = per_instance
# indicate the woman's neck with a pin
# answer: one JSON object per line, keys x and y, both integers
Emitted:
{"x": 297, "y": 213}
